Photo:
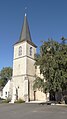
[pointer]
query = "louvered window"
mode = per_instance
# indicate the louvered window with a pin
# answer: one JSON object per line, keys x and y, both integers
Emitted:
{"x": 20, "y": 51}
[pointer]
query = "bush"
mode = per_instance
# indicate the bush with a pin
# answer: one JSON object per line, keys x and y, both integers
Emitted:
{"x": 19, "y": 101}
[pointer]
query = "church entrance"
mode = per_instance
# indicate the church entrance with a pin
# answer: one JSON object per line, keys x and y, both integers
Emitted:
{"x": 34, "y": 95}
{"x": 52, "y": 96}
{"x": 16, "y": 94}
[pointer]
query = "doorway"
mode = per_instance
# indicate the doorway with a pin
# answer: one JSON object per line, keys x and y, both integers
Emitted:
{"x": 52, "y": 96}
{"x": 16, "y": 94}
{"x": 34, "y": 95}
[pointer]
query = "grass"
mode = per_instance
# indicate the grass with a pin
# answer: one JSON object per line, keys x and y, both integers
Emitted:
{"x": 6, "y": 101}
{"x": 20, "y": 101}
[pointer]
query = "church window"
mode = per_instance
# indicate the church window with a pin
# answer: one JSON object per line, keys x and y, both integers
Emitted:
{"x": 20, "y": 50}
{"x": 30, "y": 51}
{"x": 5, "y": 94}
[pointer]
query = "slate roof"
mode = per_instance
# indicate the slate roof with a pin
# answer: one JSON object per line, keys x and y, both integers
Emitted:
{"x": 25, "y": 33}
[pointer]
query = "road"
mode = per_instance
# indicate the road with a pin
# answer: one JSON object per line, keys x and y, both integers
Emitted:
{"x": 32, "y": 111}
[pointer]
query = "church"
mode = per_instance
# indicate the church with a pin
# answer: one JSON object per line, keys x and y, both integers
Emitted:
{"x": 24, "y": 71}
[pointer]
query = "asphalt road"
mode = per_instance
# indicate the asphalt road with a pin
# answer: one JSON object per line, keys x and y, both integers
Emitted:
{"x": 32, "y": 111}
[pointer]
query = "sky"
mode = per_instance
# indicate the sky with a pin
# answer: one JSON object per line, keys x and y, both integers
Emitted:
{"x": 46, "y": 18}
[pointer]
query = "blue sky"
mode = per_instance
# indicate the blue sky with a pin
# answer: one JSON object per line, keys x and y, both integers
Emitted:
{"x": 47, "y": 19}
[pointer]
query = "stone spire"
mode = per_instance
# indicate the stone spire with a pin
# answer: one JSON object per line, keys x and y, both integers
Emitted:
{"x": 25, "y": 32}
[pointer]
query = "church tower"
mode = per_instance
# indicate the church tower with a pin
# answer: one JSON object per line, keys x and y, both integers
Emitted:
{"x": 23, "y": 65}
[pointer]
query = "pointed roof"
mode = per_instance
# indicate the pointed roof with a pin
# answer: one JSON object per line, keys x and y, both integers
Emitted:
{"x": 25, "y": 32}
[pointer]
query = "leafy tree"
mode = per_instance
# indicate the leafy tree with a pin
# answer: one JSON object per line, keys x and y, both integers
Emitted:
{"x": 63, "y": 40}
{"x": 2, "y": 83}
{"x": 53, "y": 65}
{"x": 6, "y": 74}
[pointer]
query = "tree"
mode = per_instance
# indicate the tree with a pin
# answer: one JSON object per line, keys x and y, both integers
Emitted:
{"x": 2, "y": 83}
{"x": 63, "y": 40}
{"x": 53, "y": 65}
{"x": 6, "y": 74}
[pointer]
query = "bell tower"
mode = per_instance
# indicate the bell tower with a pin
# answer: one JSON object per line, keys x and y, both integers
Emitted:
{"x": 23, "y": 65}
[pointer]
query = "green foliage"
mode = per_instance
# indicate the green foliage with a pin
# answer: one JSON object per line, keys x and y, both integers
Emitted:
{"x": 38, "y": 83}
{"x": 2, "y": 82}
{"x": 6, "y": 74}
{"x": 53, "y": 65}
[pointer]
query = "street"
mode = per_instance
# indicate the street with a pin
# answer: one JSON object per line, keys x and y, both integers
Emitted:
{"x": 32, "y": 111}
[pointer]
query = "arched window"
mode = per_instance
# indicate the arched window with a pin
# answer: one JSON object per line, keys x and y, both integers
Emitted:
{"x": 20, "y": 51}
{"x": 30, "y": 51}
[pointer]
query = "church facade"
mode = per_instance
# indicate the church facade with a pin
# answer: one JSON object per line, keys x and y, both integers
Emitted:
{"x": 24, "y": 71}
